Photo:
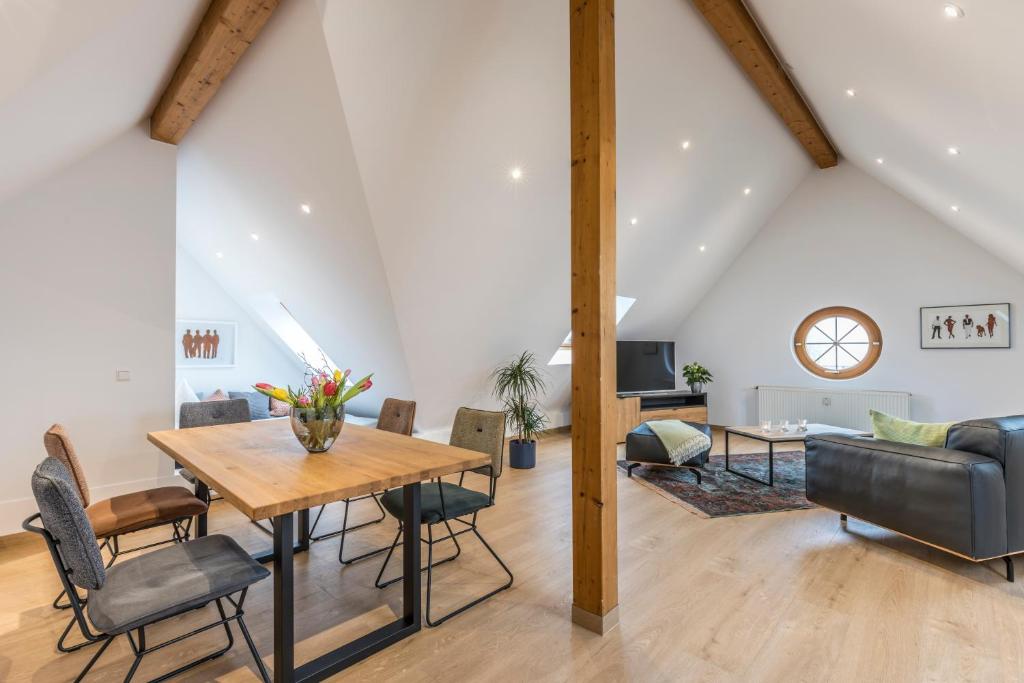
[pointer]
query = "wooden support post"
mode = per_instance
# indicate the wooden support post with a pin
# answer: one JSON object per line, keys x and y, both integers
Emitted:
{"x": 594, "y": 532}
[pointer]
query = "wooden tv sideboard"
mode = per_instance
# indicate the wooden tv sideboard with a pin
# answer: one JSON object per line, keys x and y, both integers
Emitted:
{"x": 640, "y": 406}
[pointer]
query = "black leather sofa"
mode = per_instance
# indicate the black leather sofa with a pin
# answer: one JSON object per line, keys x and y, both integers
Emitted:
{"x": 643, "y": 447}
{"x": 966, "y": 498}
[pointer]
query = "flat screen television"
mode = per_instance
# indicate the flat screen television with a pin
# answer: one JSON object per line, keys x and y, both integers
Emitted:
{"x": 646, "y": 365}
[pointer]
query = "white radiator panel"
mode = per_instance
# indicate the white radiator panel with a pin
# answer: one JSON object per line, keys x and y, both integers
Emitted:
{"x": 826, "y": 406}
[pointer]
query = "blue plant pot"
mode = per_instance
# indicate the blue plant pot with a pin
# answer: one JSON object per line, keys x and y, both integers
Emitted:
{"x": 522, "y": 455}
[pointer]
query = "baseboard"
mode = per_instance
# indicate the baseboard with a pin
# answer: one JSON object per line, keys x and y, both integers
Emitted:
{"x": 14, "y": 512}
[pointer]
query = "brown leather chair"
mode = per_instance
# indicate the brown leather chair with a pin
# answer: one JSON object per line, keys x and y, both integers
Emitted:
{"x": 114, "y": 517}
{"x": 396, "y": 416}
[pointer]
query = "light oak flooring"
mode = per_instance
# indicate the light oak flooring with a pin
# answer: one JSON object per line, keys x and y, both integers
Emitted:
{"x": 786, "y": 596}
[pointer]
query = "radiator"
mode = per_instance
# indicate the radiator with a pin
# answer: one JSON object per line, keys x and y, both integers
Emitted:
{"x": 827, "y": 406}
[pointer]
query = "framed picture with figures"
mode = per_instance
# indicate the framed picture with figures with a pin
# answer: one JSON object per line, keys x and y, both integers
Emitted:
{"x": 205, "y": 343}
{"x": 977, "y": 326}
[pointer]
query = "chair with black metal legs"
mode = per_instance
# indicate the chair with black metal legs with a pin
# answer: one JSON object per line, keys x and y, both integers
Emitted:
{"x": 144, "y": 590}
{"x": 173, "y": 506}
{"x": 395, "y": 416}
{"x": 445, "y": 503}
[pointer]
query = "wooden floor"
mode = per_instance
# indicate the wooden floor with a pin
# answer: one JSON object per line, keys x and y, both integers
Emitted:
{"x": 772, "y": 597}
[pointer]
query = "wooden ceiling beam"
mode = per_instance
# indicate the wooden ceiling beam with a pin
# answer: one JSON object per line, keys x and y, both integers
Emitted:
{"x": 744, "y": 39}
{"x": 226, "y": 31}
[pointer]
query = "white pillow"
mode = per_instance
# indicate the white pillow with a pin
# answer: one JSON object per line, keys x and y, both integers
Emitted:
{"x": 183, "y": 394}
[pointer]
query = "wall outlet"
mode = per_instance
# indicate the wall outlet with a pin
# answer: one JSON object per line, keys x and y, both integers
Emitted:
{"x": 124, "y": 375}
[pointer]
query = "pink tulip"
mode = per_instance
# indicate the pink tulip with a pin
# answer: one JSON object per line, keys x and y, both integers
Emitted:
{"x": 303, "y": 401}
{"x": 367, "y": 384}
{"x": 264, "y": 385}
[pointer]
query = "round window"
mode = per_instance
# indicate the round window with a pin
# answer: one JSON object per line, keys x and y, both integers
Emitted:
{"x": 837, "y": 343}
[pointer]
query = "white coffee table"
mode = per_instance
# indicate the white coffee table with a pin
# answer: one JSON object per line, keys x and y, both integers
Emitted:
{"x": 778, "y": 436}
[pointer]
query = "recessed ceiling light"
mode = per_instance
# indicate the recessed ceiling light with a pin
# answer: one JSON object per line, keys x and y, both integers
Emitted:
{"x": 686, "y": 144}
{"x": 747, "y": 190}
{"x": 850, "y": 92}
{"x": 702, "y": 247}
{"x": 955, "y": 208}
{"x": 306, "y": 208}
{"x": 953, "y": 151}
{"x": 879, "y": 160}
{"x": 633, "y": 221}
{"x": 255, "y": 237}
{"x": 516, "y": 173}
{"x": 219, "y": 254}
{"x": 953, "y": 11}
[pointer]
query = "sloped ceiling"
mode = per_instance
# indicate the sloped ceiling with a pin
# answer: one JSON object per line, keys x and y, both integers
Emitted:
{"x": 444, "y": 98}
{"x": 923, "y": 83}
{"x": 74, "y": 75}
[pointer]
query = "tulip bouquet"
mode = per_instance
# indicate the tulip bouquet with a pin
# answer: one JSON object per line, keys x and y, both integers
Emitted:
{"x": 318, "y": 407}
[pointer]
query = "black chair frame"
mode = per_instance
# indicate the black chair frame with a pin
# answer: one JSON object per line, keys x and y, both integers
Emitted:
{"x": 181, "y": 530}
{"x": 138, "y": 646}
{"x": 471, "y": 527}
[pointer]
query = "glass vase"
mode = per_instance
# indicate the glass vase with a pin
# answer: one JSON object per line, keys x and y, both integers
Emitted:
{"x": 315, "y": 429}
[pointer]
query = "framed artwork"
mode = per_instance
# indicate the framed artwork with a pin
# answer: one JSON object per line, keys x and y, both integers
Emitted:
{"x": 978, "y": 326}
{"x": 205, "y": 343}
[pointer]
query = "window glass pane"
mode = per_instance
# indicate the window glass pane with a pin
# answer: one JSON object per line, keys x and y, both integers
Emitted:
{"x": 856, "y": 351}
{"x": 816, "y": 350}
{"x": 858, "y": 335}
{"x": 829, "y": 361}
{"x": 844, "y": 325}
{"x": 816, "y": 336}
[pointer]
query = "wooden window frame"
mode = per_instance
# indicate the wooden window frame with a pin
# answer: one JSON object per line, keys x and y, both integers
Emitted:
{"x": 862, "y": 319}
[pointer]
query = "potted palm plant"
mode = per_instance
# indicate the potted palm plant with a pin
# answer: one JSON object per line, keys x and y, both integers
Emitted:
{"x": 696, "y": 376}
{"x": 518, "y": 385}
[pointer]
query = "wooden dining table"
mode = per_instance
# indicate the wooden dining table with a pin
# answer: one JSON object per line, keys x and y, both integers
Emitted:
{"x": 261, "y": 469}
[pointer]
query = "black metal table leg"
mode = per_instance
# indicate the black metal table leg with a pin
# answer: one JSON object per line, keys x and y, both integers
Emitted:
{"x": 411, "y": 556}
{"x": 284, "y": 601}
{"x": 203, "y": 494}
{"x": 771, "y": 460}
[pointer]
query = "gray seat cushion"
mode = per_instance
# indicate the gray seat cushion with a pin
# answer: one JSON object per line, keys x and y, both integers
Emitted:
{"x": 171, "y": 581}
{"x": 458, "y": 501}
{"x": 643, "y": 445}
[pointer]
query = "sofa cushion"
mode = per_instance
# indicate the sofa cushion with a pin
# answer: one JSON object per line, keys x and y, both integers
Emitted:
{"x": 259, "y": 405}
{"x": 889, "y": 428}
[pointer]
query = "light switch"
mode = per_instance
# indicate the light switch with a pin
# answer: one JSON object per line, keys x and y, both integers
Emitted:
{"x": 124, "y": 375}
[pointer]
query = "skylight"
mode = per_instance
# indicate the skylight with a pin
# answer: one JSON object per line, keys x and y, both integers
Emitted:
{"x": 563, "y": 356}
{"x": 288, "y": 329}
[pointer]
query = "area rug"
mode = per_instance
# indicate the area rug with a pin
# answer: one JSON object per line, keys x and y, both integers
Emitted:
{"x": 723, "y": 494}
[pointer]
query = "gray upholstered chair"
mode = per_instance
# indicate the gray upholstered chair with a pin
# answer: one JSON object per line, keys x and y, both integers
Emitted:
{"x": 140, "y": 591}
{"x": 396, "y": 416}
{"x": 111, "y": 518}
{"x": 208, "y": 414}
{"x": 442, "y": 502}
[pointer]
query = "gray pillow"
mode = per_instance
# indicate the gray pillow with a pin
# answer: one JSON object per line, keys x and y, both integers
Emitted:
{"x": 259, "y": 405}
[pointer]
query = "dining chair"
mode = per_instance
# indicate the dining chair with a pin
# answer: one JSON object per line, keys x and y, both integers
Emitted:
{"x": 443, "y": 502}
{"x": 112, "y": 518}
{"x": 141, "y": 591}
{"x": 396, "y": 416}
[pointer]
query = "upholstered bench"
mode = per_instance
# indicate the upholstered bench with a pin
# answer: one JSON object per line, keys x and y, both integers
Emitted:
{"x": 643, "y": 447}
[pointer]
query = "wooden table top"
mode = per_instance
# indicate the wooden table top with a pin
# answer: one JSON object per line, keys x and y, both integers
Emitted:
{"x": 263, "y": 471}
{"x": 793, "y": 435}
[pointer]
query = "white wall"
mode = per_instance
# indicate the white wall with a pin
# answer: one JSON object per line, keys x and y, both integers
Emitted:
{"x": 87, "y": 272}
{"x": 443, "y": 98}
{"x": 275, "y": 137}
{"x": 258, "y": 356}
{"x": 844, "y": 239}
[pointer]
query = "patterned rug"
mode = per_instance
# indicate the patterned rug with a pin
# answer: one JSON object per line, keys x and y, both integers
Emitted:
{"x": 723, "y": 494}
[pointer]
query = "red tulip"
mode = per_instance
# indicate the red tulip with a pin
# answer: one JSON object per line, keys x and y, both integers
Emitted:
{"x": 367, "y": 384}
{"x": 264, "y": 385}
{"x": 330, "y": 389}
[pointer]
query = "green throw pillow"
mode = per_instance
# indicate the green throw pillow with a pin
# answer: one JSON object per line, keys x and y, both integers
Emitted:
{"x": 891, "y": 428}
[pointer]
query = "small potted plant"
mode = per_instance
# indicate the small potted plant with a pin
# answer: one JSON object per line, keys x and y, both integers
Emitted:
{"x": 518, "y": 385}
{"x": 696, "y": 376}
{"x": 318, "y": 408}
